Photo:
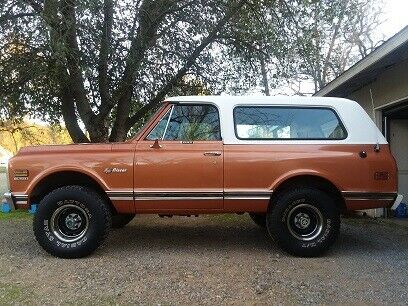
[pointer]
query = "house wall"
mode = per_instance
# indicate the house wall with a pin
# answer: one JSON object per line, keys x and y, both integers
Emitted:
{"x": 390, "y": 86}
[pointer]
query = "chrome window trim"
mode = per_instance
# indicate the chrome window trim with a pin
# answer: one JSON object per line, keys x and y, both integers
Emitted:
{"x": 168, "y": 122}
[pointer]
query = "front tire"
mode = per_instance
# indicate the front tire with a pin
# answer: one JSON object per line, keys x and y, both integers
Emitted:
{"x": 304, "y": 222}
{"x": 72, "y": 222}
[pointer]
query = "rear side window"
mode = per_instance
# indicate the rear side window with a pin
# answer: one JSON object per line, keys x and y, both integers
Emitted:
{"x": 278, "y": 122}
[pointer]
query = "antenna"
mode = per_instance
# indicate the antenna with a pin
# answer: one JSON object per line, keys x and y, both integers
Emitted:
{"x": 377, "y": 145}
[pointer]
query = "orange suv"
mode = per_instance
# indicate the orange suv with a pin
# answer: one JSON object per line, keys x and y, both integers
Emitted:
{"x": 294, "y": 164}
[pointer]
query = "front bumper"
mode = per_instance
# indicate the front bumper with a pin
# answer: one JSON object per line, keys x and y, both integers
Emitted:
{"x": 397, "y": 201}
{"x": 15, "y": 200}
{"x": 10, "y": 201}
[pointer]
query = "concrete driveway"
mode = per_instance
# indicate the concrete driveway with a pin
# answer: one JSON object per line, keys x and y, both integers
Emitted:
{"x": 206, "y": 260}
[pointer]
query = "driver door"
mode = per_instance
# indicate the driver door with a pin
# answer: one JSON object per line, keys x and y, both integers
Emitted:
{"x": 179, "y": 163}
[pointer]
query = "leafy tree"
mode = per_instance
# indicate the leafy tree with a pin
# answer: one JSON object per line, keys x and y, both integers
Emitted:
{"x": 106, "y": 63}
{"x": 15, "y": 135}
{"x": 103, "y": 65}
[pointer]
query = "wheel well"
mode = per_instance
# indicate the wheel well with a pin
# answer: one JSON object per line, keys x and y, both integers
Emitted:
{"x": 315, "y": 182}
{"x": 64, "y": 178}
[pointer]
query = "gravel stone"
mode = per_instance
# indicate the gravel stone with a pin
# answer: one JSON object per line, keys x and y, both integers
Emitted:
{"x": 207, "y": 260}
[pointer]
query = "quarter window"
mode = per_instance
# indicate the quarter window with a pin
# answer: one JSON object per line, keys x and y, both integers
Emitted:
{"x": 275, "y": 122}
{"x": 158, "y": 131}
{"x": 188, "y": 123}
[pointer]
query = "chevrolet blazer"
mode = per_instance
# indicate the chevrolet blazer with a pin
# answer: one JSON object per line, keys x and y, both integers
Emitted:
{"x": 294, "y": 164}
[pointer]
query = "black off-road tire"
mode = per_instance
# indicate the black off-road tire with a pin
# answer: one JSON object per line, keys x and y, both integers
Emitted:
{"x": 286, "y": 218}
{"x": 120, "y": 220}
{"x": 259, "y": 219}
{"x": 50, "y": 221}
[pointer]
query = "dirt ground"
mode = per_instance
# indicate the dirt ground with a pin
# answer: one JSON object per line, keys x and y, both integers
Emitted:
{"x": 206, "y": 260}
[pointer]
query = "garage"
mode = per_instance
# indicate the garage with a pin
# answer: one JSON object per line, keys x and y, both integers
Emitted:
{"x": 395, "y": 123}
{"x": 379, "y": 83}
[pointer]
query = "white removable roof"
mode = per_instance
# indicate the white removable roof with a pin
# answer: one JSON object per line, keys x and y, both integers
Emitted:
{"x": 360, "y": 128}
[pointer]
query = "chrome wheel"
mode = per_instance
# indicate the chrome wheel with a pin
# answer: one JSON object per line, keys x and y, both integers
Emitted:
{"x": 305, "y": 222}
{"x": 69, "y": 223}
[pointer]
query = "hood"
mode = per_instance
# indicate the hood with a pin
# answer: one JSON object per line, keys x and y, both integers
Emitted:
{"x": 68, "y": 148}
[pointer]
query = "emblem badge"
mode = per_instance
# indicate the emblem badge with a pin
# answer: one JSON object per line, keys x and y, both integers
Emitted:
{"x": 115, "y": 170}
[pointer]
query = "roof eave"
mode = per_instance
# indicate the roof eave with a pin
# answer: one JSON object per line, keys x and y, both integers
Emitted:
{"x": 386, "y": 48}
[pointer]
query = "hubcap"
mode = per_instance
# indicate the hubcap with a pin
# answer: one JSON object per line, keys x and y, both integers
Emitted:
{"x": 73, "y": 221}
{"x": 302, "y": 220}
{"x": 69, "y": 223}
{"x": 305, "y": 222}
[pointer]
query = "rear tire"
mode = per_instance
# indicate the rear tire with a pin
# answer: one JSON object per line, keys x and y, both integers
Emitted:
{"x": 121, "y": 220}
{"x": 259, "y": 219}
{"x": 72, "y": 222}
{"x": 304, "y": 222}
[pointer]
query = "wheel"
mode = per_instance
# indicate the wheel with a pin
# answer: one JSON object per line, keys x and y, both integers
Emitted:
{"x": 259, "y": 219}
{"x": 304, "y": 222}
{"x": 120, "y": 220}
{"x": 72, "y": 221}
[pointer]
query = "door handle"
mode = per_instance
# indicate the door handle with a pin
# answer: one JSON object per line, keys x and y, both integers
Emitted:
{"x": 212, "y": 153}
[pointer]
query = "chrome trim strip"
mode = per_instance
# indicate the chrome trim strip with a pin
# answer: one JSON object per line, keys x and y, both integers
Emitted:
{"x": 246, "y": 198}
{"x": 369, "y": 199}
{"x": 170, "y": 198}
{"x": 360, "y": 196}
{"x": 168, "y": 121}
{"x": 20, "y": 197}
{"x": 183, "y": 195}
{"x": 121, "y": 198}
{"x": 178, "y": 194}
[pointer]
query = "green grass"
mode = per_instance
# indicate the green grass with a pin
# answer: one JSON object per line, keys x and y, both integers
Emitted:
{"x": 15, "y": 215}
{"x": 10, "y": 294}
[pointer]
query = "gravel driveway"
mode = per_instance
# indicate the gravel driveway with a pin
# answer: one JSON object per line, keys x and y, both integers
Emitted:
{"x": 206, "y": 260}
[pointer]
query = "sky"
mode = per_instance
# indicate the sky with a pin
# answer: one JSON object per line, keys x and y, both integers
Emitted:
{"x": 395, "y": 17}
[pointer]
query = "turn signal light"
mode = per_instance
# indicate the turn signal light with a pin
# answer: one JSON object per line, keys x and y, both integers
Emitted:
{"x": 381, "y": 176}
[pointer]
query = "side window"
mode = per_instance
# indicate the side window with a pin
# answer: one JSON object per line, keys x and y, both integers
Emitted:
{"x": 193, "y": 122}
{"x": 275, "y": 122}
{"x": 158, "y": 130}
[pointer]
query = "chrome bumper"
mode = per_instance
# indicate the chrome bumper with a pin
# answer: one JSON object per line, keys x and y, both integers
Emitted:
{"x": 10, "y": 201}
{"x": 397, "y": 202}
{"x": 14, "y": 200}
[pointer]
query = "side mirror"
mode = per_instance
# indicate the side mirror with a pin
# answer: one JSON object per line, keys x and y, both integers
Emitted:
{"x": 156, "y": 144}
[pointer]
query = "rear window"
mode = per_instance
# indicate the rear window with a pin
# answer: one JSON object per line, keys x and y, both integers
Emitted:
{"x": 278, "y": 122}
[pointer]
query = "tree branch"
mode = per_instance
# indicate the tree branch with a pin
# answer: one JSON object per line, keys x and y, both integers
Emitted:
{"x": 73, "y": 58}
{"x": 104, "y": 51}
{"x": 183, "y": 70}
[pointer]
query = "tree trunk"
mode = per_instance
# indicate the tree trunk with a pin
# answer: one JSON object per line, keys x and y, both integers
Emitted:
{"x": 264, "y": 76}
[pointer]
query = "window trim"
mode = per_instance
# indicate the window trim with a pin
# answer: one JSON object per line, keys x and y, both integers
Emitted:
{"x": 289, "y": 107}
{"x": 168, "y": 121}
{"x": 171, "y": 108}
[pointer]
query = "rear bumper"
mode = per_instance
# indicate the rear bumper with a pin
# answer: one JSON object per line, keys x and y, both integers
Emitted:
{"x": 14, "y": 200}
{"x": 369, "y": 200}
{"x": 397, "y": 202}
